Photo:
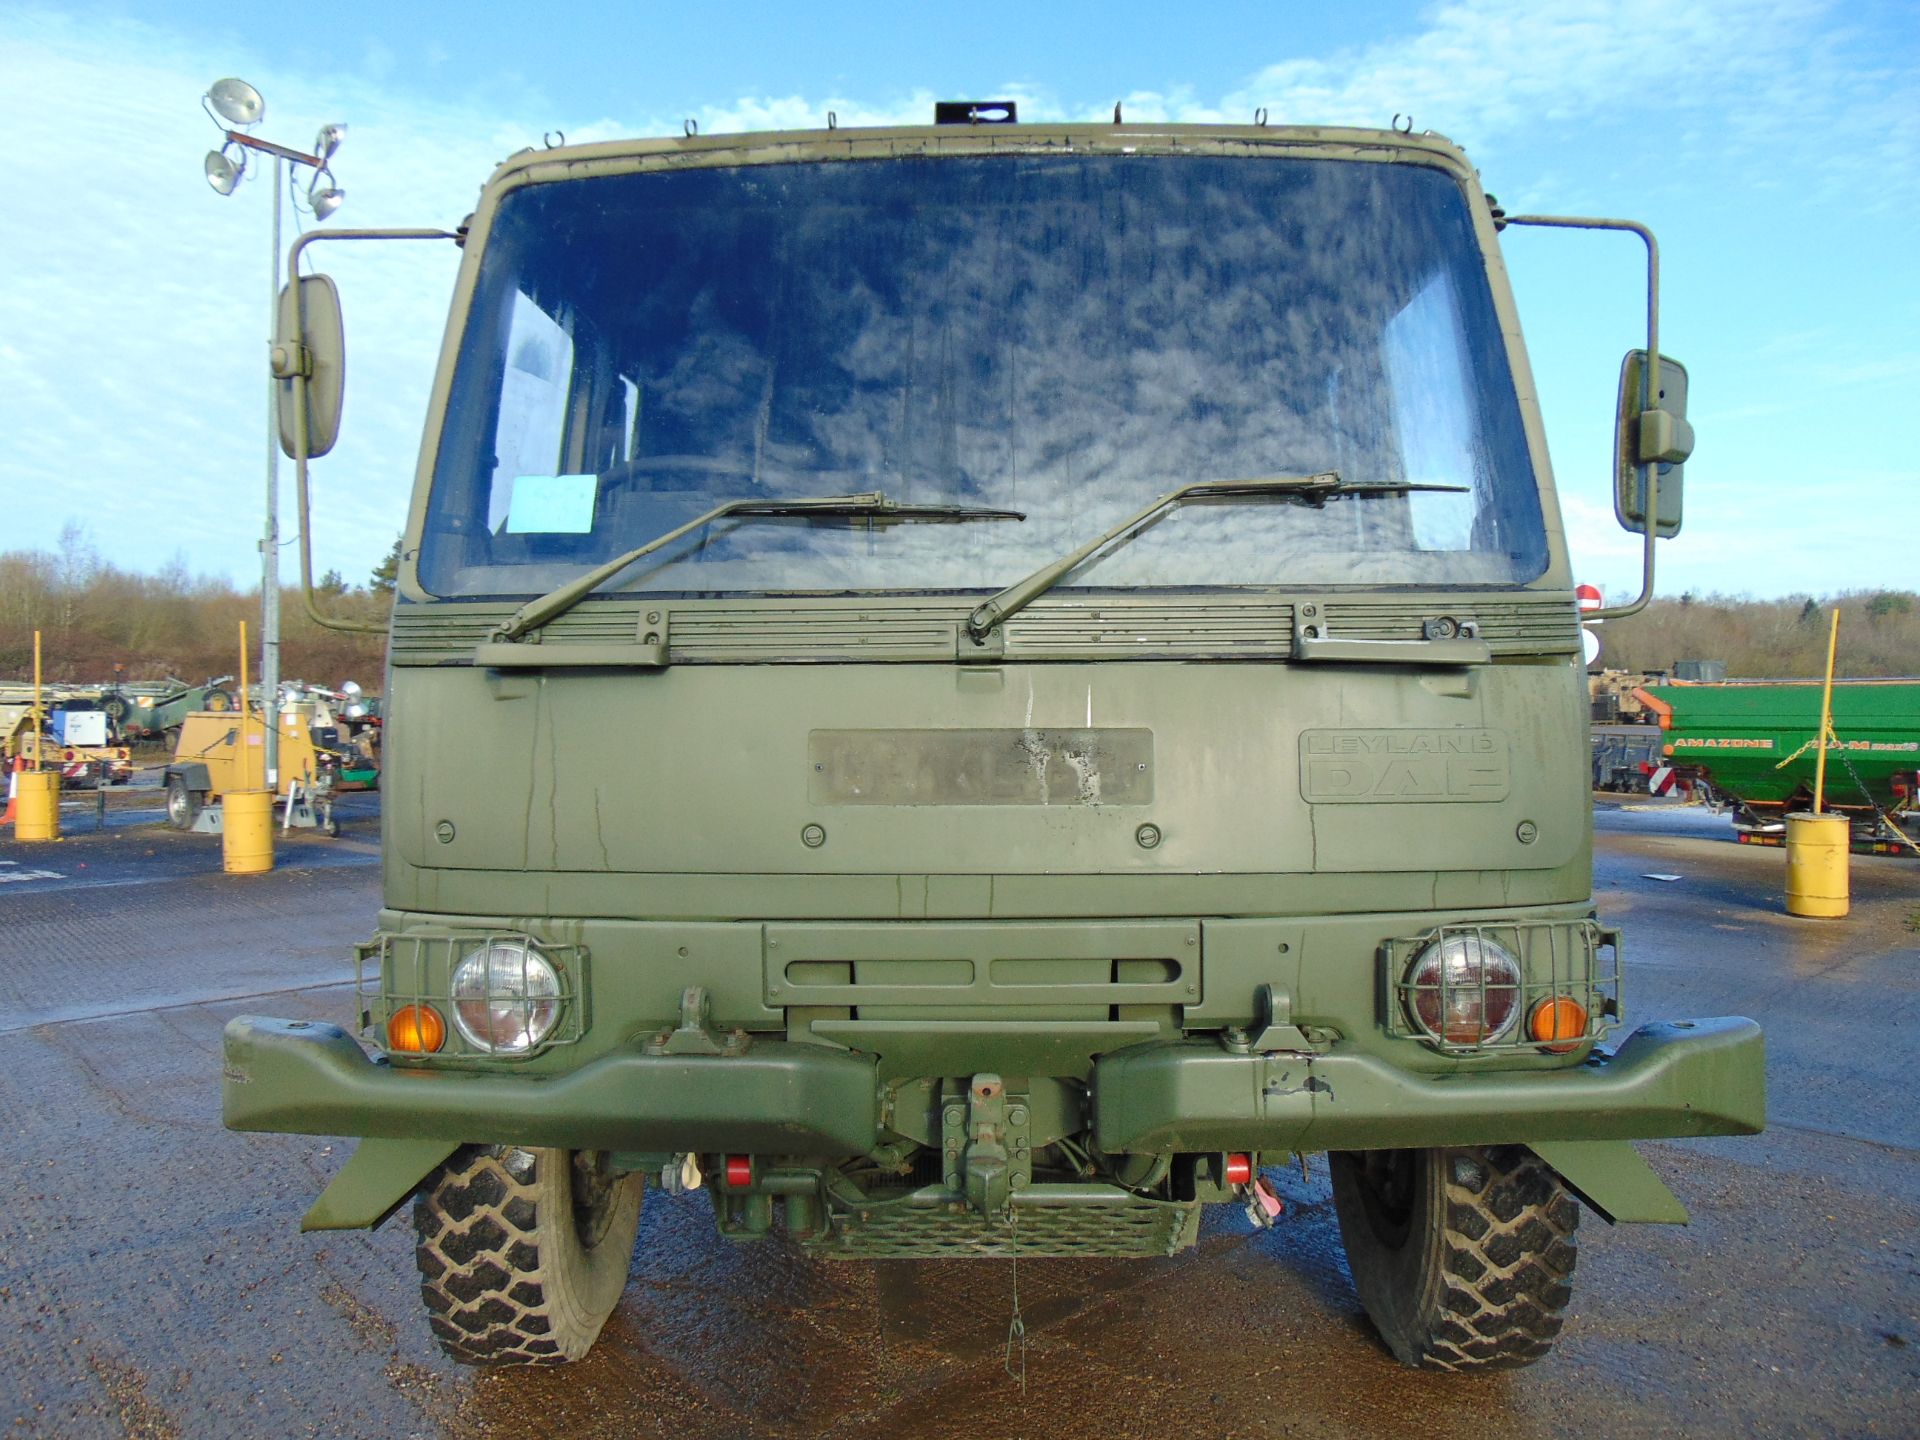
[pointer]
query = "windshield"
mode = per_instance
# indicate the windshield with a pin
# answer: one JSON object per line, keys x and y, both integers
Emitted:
{"x": 1066, "y": 336}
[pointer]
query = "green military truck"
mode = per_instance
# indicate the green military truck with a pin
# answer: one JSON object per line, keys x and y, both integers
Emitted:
{"x": 964, "y": 689}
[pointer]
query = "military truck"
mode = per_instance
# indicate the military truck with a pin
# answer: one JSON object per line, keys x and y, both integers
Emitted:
{"x": 964, "y": 690}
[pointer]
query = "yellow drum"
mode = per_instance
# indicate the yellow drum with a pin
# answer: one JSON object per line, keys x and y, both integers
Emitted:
{"x": 37, "y": 805}
{"x": 246, "y": 831}
{"x": 1818, "y": 848}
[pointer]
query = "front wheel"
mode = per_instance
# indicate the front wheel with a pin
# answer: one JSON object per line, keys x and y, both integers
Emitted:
{"x": 523, "y": 1253}
{"x": 1463, "y": 1257}
{"x": 182, "y": 804}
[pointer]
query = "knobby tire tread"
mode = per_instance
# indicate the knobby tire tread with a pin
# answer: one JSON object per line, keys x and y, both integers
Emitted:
{"x": 486, "y": 1261}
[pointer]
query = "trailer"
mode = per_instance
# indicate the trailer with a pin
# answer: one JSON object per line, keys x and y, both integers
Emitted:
{"x": 1756, "y": 744}
{"x": 72, "y": 735}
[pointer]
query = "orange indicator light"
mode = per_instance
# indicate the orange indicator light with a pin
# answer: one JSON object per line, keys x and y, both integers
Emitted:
{"x": 416, "y": 1029}
{"x": 1559, "y": 1019}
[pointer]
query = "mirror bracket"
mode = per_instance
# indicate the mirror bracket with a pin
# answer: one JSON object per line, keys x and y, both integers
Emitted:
{"x": 308, "y": 367}
{"x": 1665, "y": 435}
{"x": 1665, "y": 438}
{"x": 288, "y": 359}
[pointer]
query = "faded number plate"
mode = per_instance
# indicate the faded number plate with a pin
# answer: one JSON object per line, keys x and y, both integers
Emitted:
{"x": 981, "y": 767}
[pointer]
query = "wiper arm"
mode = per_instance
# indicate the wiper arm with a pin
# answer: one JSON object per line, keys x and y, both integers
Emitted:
{"x": 555, "y": 603}
{"x": 1314, "y": 490}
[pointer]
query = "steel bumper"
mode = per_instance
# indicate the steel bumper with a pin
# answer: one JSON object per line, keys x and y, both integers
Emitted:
{"x": 1691, "y": 1077}
{"x": 309, "y": 1078}
{"x": 1701, "y": 1077}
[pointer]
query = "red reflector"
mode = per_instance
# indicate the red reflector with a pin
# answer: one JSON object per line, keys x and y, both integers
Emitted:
{"x": 1239, "y": 1169}
{"x": 739, "y": 1171}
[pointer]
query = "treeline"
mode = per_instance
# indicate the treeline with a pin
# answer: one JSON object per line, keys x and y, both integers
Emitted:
{"x": 1771, "y": 639}
{"x": 93, "y": 616}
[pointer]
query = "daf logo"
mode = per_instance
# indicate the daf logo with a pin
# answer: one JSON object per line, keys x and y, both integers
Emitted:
{"x": 1402, "y": 766}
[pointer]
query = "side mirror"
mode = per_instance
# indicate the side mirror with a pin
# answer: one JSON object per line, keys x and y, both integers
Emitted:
{"x": 1650, "y": 430}
{"x": 320, "y": 355}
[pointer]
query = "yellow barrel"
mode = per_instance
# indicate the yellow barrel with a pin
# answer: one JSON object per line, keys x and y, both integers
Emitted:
{"x": 246, "y": 831}
{"x": 37, "y": 801}
{"x": 1818, "y": 847}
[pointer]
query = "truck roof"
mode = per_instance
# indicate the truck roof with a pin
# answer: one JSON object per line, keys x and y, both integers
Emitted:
{"x": 848, "y": 143}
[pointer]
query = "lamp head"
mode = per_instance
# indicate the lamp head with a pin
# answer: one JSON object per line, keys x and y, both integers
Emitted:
{"x": 328, "y": 141}
{"x": 325, "y": 198}
{"x": 222, "y": 172}
{"x": 236, "y": 102}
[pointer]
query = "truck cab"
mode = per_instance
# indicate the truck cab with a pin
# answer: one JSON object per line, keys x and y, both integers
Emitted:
{"x": 964, "y": 689}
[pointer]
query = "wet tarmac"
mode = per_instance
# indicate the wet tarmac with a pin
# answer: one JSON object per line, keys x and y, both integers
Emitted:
{"x": 153, "y": 1283}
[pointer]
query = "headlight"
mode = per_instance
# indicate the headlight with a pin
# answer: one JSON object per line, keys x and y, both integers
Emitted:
{"x": 506, "y": 998}
{"x": 1464, "y": 990}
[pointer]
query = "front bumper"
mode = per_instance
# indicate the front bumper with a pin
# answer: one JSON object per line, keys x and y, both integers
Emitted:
{"x": 310, "y": 1078}
{"x": 1698, "y": 1077}
{"x": 1687, "y": 1077}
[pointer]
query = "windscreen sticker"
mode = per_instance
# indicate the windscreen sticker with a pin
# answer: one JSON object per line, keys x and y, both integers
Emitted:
{"x": 551, "y": 505}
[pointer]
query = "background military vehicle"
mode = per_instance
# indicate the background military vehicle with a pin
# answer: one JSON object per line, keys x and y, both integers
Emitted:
{"x": 963, "y": 689}
{"x": 157, "y": 711}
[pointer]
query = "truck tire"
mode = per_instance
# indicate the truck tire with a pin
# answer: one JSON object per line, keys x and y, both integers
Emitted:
{"x": 1464, "y": 1257}
{"x": 523, "y": 1253}
{"x": 182, "y": 804}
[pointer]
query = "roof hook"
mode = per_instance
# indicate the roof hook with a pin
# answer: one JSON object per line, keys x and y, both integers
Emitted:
{"x": 1406, "y": 129}
{"x": 692, "y": 127}
{"x": 1260, "y": 117}
{"x": 1116, "y": 112}
{"x": 833, "y": 121}
{"x": 552, "y": 144}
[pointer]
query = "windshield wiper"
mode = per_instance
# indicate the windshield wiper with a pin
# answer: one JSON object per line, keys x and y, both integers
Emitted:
{"x": 1314, "y": 490}
{"x": 872, "y": 503}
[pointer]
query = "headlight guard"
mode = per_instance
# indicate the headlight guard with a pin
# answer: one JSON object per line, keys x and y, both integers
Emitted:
{"x": 492, "y": 986}
{"x": 1471, "y": 988}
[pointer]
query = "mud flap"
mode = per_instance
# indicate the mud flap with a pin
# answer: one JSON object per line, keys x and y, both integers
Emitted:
{"x": 376, "y": 1181}
{"x": 1616, "y": 1183}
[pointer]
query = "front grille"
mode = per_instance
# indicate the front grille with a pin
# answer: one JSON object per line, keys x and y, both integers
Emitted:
{"x": 1048, "y": 1220}
{"x": 1139, "y": 626}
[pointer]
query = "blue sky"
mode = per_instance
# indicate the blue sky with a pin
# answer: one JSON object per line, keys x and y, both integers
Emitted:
{"x": 1770, "y": 143}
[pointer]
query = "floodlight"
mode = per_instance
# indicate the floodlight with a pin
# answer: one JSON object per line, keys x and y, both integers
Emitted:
{"x": 349, "y": 687}
{"x": 324, "y": 199}
{"x": 222, "y": 173}
{"x": 236, "y": 102}
{"x": 328, "y": 141}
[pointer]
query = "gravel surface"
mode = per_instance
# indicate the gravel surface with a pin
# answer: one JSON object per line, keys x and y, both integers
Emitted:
{"x": 153, "y": 1281}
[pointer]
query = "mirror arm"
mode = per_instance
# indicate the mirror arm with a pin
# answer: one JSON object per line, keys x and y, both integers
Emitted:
{"x": 300, "y": 378}
{"x": 1649, "y": 469}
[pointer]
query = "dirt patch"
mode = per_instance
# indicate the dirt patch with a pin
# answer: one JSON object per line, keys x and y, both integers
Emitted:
{"x": 140, "y": 1416}
{"x": 370, "y": 1328}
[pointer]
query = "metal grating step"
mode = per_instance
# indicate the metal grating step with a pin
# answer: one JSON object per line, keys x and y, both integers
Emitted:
{"x": 1047, "y": 1221}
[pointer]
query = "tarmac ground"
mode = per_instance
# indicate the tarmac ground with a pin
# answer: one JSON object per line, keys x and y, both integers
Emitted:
{"x": 153, "y": 1282}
